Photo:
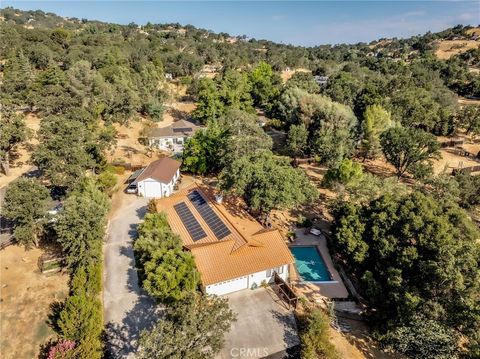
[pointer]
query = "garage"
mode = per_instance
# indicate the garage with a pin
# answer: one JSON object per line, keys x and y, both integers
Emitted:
{"x": 157, "y": 180}
{"x": 229, "y": 286}
{"x": 152, "y": 189}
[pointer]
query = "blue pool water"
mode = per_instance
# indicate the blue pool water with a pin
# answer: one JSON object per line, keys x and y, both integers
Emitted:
{"x": 310, "y": 264}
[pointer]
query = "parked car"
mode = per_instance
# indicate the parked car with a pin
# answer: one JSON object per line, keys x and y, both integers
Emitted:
{"x": 131, "y": 188}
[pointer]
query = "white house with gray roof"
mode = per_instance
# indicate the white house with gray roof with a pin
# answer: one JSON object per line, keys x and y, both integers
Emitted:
{"x": 172, "y": 138}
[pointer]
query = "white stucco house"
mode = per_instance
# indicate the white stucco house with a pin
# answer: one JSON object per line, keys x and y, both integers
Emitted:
{"x": 230, "y": 254}
{"x": 158, "y": 179}
{"x": 172, "y": 138}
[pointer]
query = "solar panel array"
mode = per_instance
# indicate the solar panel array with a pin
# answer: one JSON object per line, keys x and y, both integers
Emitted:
{"x": 182, "y": 129}
{"x": 210, "y": 217}
{"x": 189, "y": 221}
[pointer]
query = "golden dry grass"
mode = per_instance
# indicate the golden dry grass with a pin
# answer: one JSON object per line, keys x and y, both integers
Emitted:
{"x": 449, "y": 48}
{"x": 287, "y": 75}
{"x": 26, "y": 295}
{"x": 474, "y": 31}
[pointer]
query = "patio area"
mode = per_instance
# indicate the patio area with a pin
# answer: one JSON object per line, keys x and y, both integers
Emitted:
{"x": 317, "y": 292}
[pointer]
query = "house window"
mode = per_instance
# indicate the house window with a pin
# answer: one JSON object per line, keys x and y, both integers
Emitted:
{"x": 269, "y": 273}
{"x": 280, "y": 270}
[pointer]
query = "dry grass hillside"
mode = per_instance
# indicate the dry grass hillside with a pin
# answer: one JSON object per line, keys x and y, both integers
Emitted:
{"x": 449, "y": 48}
{"x": 474, "y": 31}
{"x": 287, "y": 75}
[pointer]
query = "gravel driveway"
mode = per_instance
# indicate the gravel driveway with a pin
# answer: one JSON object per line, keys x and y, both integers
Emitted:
{"x": 127, "y": 308}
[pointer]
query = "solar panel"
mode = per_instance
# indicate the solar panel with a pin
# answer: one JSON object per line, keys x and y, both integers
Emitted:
{"x": 213, "y": 221}
{"x": 190, "y": 222}
{"x": 182, "y": 129}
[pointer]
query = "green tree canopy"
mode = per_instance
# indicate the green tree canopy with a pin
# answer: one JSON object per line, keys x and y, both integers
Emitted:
{"x": 154, "y": 233}
{"x": 235, "y": 90}
{"x": 332, "y": 132}
{"x": 14, "y": 132}
{"x": 375, "y": 121}
{"x": 415, "y": 255}
{"x": 423, "y": 339}
{"x": 267, "y": 182}
{"x": 26, "y": 203}
{"x": 304, "y": 81}
{"x": 297, "y": 140}
{"x": 314, "y": 327}
{"x": 170, "y": 275}
{"x": 201, "y": 153}
{"x": 17, "y": 79}
{"x": 243, "y": 136}
{"x": 265, "y": 84}
{"x": 80, "y": 227}
{"x": 192, "y": 329}
{"x": 331, "y": 125}
{"x": 410, "y": 150}
{"x": 349, "y": 173}
{"x": 209, "y": 105}
{"x": 469, "y": 119}
{"x": 233, "y": 135}
{"x": 62, "y": 152}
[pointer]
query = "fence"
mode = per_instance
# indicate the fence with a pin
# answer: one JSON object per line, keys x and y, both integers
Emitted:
{"x": 50, "y": 263}
{"x": 127, "y": 166}
{"x": 452, "y": 143}
{"x": 6, "y": 238}
{"x": 466, "y": 169}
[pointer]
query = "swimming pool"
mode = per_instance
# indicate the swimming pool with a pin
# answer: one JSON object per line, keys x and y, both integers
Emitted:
{"x": 310, "y": 264}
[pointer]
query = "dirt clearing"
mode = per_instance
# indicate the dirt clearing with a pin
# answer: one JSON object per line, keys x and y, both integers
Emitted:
{"x": 287, "y": 75}
{"x": 129, "y": 147}
{"x": 26, "y": 295}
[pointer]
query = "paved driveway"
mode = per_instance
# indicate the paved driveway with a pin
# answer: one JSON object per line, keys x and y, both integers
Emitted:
{"x": 264, "y": 327}
{"x": 127, "y": 308}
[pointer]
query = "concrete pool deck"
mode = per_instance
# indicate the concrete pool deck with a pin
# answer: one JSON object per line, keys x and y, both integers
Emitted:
{"x": 317, "y": 291}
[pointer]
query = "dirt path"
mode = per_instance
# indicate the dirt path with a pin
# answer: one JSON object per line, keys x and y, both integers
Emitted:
{"x": 26, "y": 296}
{"x": 127, "y": 308}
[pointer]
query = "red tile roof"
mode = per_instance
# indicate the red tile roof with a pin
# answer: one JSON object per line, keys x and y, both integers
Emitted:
{"x": 249, "y": 248}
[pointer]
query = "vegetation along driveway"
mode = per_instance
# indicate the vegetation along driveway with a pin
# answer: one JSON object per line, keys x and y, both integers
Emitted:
{"x": 128, "y": 309}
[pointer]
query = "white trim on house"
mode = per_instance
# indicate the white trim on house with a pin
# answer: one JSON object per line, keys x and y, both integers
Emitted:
{"x": 173, "y": 144}
{"x": 152, "y": 188}
{"x": 249, "y": 281}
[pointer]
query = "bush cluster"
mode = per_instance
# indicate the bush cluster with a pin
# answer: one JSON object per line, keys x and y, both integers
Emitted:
{"x": 166, "y": 271}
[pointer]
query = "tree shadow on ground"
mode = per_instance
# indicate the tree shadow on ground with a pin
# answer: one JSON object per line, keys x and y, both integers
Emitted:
{"x": 179, "y": 114}
{"x": 141, "y": 212}
{"x": 287, "y": 320}
{"x": 122, "y": 339}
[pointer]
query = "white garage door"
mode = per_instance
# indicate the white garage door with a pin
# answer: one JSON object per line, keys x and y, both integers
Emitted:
{"x": 228, "y": 287}
{"x": 153, "y": 189}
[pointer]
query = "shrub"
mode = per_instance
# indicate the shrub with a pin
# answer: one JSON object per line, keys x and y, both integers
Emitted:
{"x": 154, "y": 234}
{"x": 107, "y": 180}
{"x": 347, "y": 173}
{"x": 63, "y": 349}
{"x": 170, "y": 275}
{"x": 81, "y": 320}
{"x": 304, "y": 222}
{"x": 314, "y": 335}
{"x": 423, "y": 339}
{"x": 87, "y": 280}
